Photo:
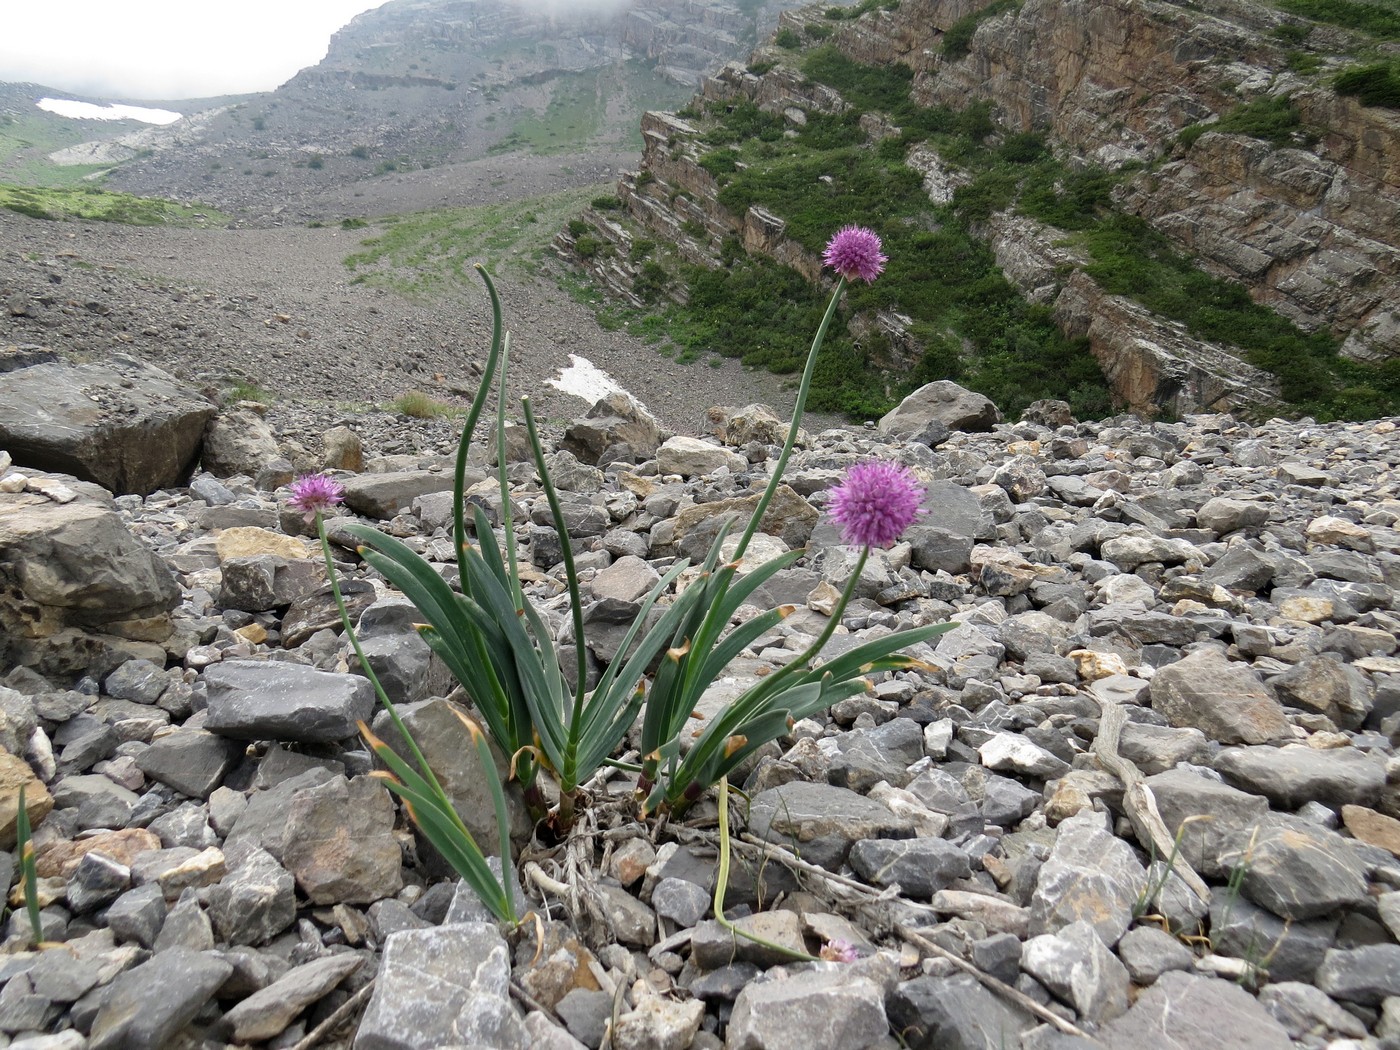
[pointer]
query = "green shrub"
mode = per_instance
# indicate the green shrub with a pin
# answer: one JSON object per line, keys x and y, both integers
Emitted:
{"x": 588, "y": 246}
{"x": 720, "y": 162}
{"x": 816, "y": 31}
{"x": 650, "y": 284}
{"x": 1375, "y": 85}
{"x": 577, "y": 227}
{"x": 1377, "y": 19}
{"x": 316, "y": 163}
{"x": 607, "y": 203}
{"x": 787, "y": 38}
{"x": 359, "y": 152}
{"x": 957, "y": 41}
{"x": 354, "y": 222}
{"x": 1273, "y": 119}
{"x": 641, "y": 248}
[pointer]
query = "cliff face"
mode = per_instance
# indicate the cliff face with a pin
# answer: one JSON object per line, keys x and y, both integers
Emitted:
{"x": 1310, "y": 228}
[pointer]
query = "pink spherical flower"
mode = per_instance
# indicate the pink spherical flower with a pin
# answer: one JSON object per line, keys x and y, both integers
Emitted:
{"x": 838, "y": 950}
{"x": 854, "y": 253}
{"x": 314, "y": 494}
{"x": 875, "y": 503}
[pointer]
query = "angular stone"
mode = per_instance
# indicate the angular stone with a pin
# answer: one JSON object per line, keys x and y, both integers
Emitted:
{"x": 815, "y": 1010}
{"x": 446, "y": 743}
{"x": 713, "y": 946}
{"x": 1365, "y": 975}
{"x": 1183, "y": 1010}
{"x": 1223, "y": 514}
{"x": 1076, "y": 966}
{"x": 192, "y": 761}
{"x": 254, "y": 902}
{"x": 688, "y": 457}
{"x": 1292, "y": 951}
{"x": 1090, "y": 876}
{"x": 443, "y": 987}
{"x": 267, "y": 1012}
{"x": 659, "y": 1024}
{"x": 921, "y": 867}
{"x": 1296, "y": 869}
{"x": 1324, "y": 684}
{"x": 822, "y": 821}
{"x": 932, "y": 1013}
{"x": 15, "y": 773}
{"x": 1204, "y": 815}
{"x": 262, "y": 700}
{"x": 943, "y": 402}
{"x": 75, "y": 565}
{"x": 148, "y": 1005}
{"x": 1148, "y": 952}
{"x": 1290, "y": 776}
{"x": 1223, "y": 699}
{"x": 384, "y": 495}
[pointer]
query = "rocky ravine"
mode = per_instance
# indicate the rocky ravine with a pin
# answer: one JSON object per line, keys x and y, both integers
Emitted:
{"x": 1206, "y": 604}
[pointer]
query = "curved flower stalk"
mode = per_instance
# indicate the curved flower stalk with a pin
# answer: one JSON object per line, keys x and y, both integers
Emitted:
{"x": 881, "y": 501}
{"x": 427, "y": 803}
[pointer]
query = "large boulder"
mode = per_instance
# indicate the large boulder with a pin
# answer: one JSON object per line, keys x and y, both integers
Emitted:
{"x": 70, "y": 569}
{"x": 238, "y": 441}
{"x": 941, "y": 402}
{"x": 615, "y": 421}
{"x": 124, "y": 424}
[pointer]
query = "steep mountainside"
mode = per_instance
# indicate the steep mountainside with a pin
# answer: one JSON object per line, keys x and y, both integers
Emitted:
{"x": 421, "y": 84}
{"x": 1127, "y": 139}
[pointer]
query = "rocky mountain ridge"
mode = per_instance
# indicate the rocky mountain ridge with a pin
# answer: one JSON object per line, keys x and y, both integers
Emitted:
{"x": 418, "y": 84}
{"x": 1309, "y": 227}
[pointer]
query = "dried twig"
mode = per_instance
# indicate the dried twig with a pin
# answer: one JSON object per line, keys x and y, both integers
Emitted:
{"x": 1138, "y": 800}
{"x": 336, "y": 1019}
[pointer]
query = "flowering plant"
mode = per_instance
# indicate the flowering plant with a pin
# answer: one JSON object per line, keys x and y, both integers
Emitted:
{"x": 503, "y": 653}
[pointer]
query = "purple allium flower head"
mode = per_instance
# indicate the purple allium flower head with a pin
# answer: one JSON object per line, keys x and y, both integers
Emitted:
{"x": 837, "y": 950}
{"x": 314, "y": 494}
{"x": 854, "y": 253}
{"x": 875, "y": 503}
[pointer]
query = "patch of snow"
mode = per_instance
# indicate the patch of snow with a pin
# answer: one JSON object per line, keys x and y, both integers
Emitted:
{"x": 65, "y": 107}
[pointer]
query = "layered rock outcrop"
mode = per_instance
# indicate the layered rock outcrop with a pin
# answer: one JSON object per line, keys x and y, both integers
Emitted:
{"x": 1310, "y": 228}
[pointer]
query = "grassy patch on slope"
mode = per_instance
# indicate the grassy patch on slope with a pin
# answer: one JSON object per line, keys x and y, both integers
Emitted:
{"x": 428, "y": 253}
{"x": 90, "y": 203}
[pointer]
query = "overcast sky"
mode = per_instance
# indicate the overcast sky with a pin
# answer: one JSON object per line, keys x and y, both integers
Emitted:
{"x": 166, "y": 49}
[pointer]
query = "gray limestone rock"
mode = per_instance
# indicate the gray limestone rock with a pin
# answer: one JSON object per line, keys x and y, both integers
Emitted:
{"x": 1365, "y": 975}
{"x": 822, "y": 821}
{"x": 944, "y": 402}
{"x": 1089, "y": 876}
{"x": 1290, "y": 776}
{"x": 148, "y": 1005}
{"x": 938, "y": 1013}
{"x": 122, "y": 423}
{"x": 1077, "y": 967}
{"x": 443, "y": 987}
{"x": 384, "y": 495}
{"x": 921, "y": 867}
{"x": 1147, "y": 953}
{"x": 815, "y": 1010}
{"x": 262, "y": 700}
{"x": 1224, "y": 699}
{"x": 267, "y": 1012}
{"x": 1296, "y": 869}
{"x": 1183, "y": 1010}
{"x": 192, "y": 761}
{"x": 254, "y": 902}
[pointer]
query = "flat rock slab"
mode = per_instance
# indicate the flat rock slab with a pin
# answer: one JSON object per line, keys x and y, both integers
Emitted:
{"x": 124, "y": 424}
{"x": 1184, "y": 1012}
{"x": 821, "y": 821}
{"x": 148, "y": 1005}
{"x": 822, "y": 1010}
{"x": 263, "y": 700}
{"x": 384, "y": 495}
{"x": 1290, "y": 776}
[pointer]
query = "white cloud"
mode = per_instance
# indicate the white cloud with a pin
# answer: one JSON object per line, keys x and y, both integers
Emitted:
{"x": 167, "y": 49}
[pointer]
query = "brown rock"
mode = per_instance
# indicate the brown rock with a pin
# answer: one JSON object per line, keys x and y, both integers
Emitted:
{"x": 38, "y": 803}
{"x": 1372, "y": 828}
{"x": 62, "y": 858}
